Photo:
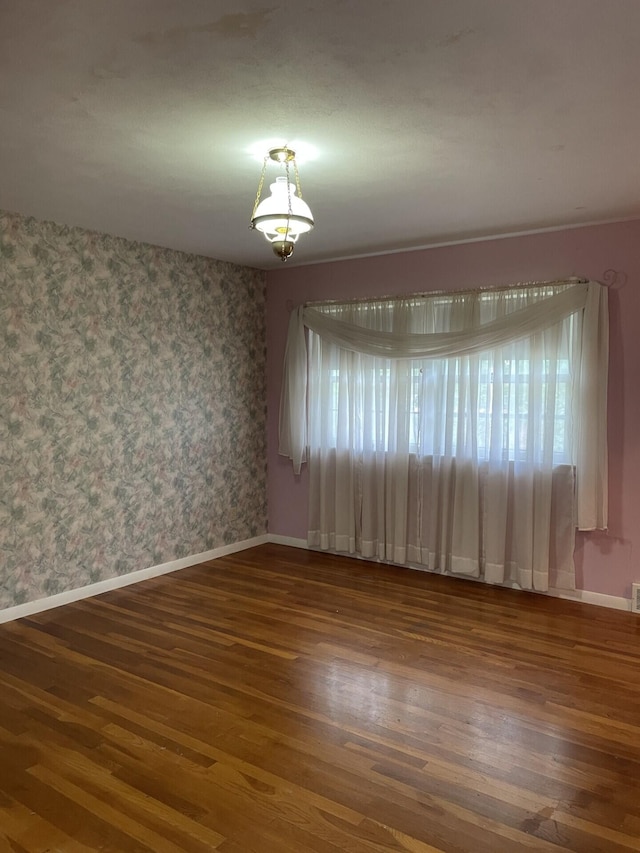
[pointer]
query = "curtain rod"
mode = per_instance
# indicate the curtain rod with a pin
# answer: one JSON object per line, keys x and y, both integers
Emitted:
{"x": 426, "y": 294}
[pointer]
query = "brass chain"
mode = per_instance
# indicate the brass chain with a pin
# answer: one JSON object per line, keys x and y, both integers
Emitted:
{"x": 295, "y": 166}
{"x": 259, "y": 193}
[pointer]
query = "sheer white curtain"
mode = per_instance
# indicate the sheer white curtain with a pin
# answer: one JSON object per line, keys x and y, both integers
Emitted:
{"x": 480, "y": 459}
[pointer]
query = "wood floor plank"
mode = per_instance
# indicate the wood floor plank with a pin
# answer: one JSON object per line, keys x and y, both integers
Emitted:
{"x": 283, "y": 700}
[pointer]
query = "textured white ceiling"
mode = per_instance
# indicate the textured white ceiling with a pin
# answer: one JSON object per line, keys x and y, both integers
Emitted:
{"x": 428, "y": 121}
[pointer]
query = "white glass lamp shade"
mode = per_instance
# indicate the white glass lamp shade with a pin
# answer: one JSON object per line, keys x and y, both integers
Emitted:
{"x": 272, "y": 215}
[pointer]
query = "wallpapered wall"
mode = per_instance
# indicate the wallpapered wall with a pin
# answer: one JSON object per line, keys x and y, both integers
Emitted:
{"x": 132, "y": 406}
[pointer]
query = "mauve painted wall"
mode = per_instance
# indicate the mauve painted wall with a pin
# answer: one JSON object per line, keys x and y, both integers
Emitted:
{"x": 605, "y": 562}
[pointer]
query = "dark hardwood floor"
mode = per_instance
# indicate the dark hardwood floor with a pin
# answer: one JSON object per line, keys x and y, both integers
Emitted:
{"x": 283, "y": 700}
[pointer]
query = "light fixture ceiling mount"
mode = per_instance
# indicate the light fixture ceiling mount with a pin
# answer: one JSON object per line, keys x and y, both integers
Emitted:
{"x": 283, "y": 216}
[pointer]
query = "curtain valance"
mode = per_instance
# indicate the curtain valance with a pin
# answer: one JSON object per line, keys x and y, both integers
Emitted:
{"x": 589, "y": 299}
{"x": 518, "y": 324}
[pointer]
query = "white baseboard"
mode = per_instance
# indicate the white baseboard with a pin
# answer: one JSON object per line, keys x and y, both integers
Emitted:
{"x": 598, "y": 598}
{"x": 288, "y": 540}
{"x": 41, "y": 604}
{"x": 584, "y": 596}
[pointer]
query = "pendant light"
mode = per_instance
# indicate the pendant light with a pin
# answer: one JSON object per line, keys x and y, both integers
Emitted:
{"x": 283, "y": 216}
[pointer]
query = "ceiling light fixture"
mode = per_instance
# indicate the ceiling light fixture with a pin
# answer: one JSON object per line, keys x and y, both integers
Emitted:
{"x": 283, "y": 216}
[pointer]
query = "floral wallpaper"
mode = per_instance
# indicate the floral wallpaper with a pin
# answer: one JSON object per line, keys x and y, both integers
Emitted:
{"x": 132, "y": 406}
